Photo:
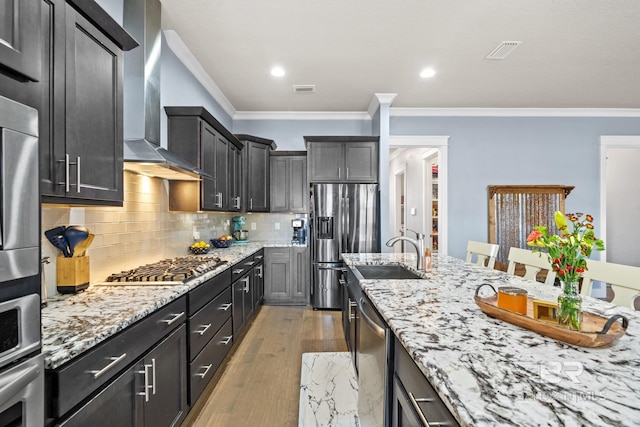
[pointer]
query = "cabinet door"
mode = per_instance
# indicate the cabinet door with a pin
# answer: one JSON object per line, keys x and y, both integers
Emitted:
{"x": 222, "y": 173}
{"x": 258, "y": 177}
{"x": 208, "y": 137}
{"x": 247, "y": 298}
{"x": 234, "y": 178}
{"x": 326, "y": 161}
{"x": 94, "y": 73}
{"x": 165, "y": 375}
{"x": 238, "y": 305}
{"x": 52, "y": 104}
{"x": 20, "y": 38}
{"x": 361, "y": 161}
{"x": 277, "y": 285}
{"x": 258, "y": 284}
{"x": 300, "y": 283}
{"x": 280, "y": 183}
{"x": 298, "y": 187}
{"x": 116, "y": 405}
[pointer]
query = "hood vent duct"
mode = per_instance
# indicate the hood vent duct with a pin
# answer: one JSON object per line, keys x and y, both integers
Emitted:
{"x": 142, "y": 151}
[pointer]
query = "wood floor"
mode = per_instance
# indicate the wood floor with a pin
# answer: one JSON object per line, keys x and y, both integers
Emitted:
{"x": 261, "y": 380}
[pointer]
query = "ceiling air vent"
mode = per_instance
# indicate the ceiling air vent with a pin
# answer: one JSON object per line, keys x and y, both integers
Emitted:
{"x": 502, "y": 50}
{"x": 304, "y": 88}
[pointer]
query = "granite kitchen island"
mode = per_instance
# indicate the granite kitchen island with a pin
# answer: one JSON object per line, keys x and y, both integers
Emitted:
{"x": 489, "y": 372}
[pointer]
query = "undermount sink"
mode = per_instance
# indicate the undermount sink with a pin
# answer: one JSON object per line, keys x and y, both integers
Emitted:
{"x": 386, "y": 272}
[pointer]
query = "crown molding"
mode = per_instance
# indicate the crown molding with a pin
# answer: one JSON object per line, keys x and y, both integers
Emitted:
{"x": 514, "y": 112}
{"x": 301, "y": 115}
{"x": 378, "y": 100}
{"x": 187, "y": 58}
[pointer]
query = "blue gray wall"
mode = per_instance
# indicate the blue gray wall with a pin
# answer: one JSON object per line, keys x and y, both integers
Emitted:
{"x": 509, "y": 150}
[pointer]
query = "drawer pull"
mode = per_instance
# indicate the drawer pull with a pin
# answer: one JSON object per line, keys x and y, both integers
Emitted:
{"x": 206, "y": 370}
{"x": 114, "y": 362}
{"x": 174, "y": 319}
{"x": 226, "y": 306}
{"x": 227, "y": 340}
{"x": 204, "y": 329}
{"x": 249, "y": 263}
{"x": 423, "y": 419}
{"x": 238, "y": 270}
{"x": 259, "y": 256}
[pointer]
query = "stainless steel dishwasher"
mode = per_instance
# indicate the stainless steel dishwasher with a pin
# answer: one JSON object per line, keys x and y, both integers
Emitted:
{"x": 373, "y": 353}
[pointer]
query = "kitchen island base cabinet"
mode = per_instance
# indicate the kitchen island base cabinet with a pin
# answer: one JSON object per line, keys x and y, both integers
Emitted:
{"x": 150, "y": 393}
{"x": 415, "y": 402}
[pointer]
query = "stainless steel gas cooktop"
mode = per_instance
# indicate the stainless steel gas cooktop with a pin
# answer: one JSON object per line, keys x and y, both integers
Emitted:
{"x": 172, "y": 271}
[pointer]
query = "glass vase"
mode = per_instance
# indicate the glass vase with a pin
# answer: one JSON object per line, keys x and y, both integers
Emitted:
{"x": 570, "y": 306}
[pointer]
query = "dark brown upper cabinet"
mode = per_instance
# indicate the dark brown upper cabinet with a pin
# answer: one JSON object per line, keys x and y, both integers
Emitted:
{"x": 256, "y": 173}
{"x": 196, "y": 136}
{"x": 342, "y": 158}
{"x": 20, "y": 44}
{"x": 81, "y": 104}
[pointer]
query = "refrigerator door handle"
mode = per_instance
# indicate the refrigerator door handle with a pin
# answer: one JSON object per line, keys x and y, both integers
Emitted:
{"x": 348, "y": 223}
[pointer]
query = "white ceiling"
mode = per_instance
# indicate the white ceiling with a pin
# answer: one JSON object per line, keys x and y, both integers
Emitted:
{"x": 574, "y": 53}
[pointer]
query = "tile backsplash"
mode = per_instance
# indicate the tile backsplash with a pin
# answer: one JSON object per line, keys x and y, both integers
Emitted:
{"x": 143, "y": 230}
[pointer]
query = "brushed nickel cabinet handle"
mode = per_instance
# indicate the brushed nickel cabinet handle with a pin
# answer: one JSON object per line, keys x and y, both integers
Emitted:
{"x": 78, "y": 174}
{"x": 206, "y": 370}
{"x": 226, "y": 306}
{"x": 423, "y": 419}
{"x": 173, "y": 319}
{"x": 227, "y": 340}
{"x": 114, "y": 361}
{"x": 204, "y": 329}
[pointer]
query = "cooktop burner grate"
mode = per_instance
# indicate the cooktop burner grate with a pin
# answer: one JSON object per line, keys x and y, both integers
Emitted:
{"x": 178, "y": 269}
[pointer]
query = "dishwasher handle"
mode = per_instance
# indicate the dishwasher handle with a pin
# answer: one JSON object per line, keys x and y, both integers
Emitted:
{"x": 379, "y": 330}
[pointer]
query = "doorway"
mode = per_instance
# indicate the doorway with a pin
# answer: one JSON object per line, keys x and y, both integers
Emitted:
{"x": 416, "y": 155}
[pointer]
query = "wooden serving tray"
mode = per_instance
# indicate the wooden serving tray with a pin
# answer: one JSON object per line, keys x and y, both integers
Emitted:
{"x": 595, "y": 330}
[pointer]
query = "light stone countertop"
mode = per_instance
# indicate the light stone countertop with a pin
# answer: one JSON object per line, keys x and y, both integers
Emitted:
{"x": 490, "y": 372}
{"x": 73, "y": 324}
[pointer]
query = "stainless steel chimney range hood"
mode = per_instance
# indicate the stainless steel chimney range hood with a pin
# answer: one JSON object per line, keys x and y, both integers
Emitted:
{"x": 142, "y": 151}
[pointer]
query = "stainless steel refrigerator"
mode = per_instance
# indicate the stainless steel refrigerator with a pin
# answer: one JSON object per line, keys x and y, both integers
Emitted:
{"x": 344, "y": 219}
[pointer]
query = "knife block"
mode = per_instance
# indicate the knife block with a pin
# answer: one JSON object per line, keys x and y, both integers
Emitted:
{"x": 72, "y": 274}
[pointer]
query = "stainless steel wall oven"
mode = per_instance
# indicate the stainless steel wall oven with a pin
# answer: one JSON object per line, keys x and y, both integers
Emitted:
{"x": 21, "y": 361}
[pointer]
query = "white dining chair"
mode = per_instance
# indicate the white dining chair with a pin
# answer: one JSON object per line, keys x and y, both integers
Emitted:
{"x": 485, "y": 253}
{"x": 533, "y": 262}
{"x": 624, "y": 281}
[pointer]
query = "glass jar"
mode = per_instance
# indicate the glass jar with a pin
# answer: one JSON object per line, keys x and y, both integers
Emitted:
{"x": 570, "y": 306}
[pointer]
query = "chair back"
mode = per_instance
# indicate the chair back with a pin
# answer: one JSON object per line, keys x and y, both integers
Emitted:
{"x": 533, "y": 262}
{"x": 484, "y": 253}
{"x": 624, "y": 281}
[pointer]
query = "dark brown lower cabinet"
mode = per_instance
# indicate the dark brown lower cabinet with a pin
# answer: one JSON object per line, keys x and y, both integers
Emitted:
{"x": 415, "y": 403}
{"x": 152, "y": 392}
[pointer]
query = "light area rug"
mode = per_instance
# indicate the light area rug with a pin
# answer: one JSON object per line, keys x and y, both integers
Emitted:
{"x": 328, "y": 391}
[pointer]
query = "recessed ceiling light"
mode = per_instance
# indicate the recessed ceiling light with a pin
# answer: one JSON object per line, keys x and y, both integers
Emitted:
{"x": 277, "y": 71}
{"x": 427, "y": 72}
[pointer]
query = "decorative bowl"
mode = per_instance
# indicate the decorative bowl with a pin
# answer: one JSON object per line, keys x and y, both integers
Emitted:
{"x": 199, "y": 250}
{"x": 221, "y": 243}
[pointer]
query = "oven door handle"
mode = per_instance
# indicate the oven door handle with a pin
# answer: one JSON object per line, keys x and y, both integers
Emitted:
{"x": 11, "y": 385}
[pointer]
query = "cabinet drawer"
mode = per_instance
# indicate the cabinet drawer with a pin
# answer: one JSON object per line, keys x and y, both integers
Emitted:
{"x": 205, "y": 323}
{"x": 201, "y": 295}
{"x": 416, "y": 386}
{"x": 258, "y": 256}
{"x": 203, "y": 367}
{"x": 242, "y": 268}
{"x": 85, "y": 374}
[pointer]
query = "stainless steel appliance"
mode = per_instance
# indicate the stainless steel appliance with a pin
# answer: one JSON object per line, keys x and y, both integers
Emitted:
{"x": 299, "y": 231}
{"x": 21, "y": 364}
{"x": 170, "y": 271}
{"x": 374, "y": 366}
{"x": 344, "y": 219}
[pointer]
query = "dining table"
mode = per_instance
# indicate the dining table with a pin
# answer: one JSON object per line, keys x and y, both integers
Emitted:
{"x": 490, "y": 372}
